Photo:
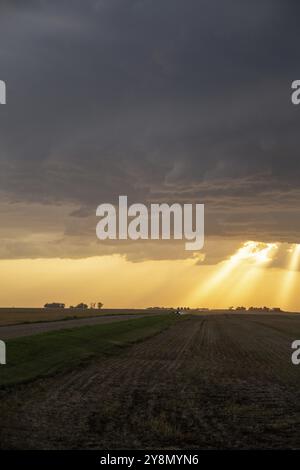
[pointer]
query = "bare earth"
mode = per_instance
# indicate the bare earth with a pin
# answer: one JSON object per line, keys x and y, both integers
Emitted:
{"x": 207, "y": 382}
{"x": 29, "y": 329}
{"x": 15, "y": 316}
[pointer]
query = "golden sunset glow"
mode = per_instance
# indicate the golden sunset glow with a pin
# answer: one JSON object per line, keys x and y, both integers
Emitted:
{"x": 291, "y": 276}
{"x": 236, "y": 273}
{"x": 250, "y": 276}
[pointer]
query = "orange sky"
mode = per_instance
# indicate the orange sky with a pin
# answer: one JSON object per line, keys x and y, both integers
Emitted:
{"x": 248, "y": 277}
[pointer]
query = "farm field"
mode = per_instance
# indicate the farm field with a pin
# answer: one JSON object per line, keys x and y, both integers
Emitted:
{"x": 34, "y": 328}
{"x": 14, "y": 316}
{"x": 214, "y": 381}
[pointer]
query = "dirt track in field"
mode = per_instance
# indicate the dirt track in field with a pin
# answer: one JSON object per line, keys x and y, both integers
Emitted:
{"x": 29, "y": 329}
{"x": 207, "y": 382}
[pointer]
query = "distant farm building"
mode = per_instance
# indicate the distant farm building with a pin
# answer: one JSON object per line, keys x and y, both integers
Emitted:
{"x": 54, "y": 305}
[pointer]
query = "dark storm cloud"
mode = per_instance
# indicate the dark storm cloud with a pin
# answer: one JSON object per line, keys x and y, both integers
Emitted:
{"x": 161, "y": 100}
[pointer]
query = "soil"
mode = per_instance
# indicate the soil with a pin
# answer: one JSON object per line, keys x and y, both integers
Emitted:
{"x": 208, "y": 382}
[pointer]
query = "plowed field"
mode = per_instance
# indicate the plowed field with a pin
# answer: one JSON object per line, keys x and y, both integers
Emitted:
{"x": 223, "y": 381}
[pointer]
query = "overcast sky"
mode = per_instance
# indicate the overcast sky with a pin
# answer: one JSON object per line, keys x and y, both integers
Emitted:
{"x": 169, "y": 100}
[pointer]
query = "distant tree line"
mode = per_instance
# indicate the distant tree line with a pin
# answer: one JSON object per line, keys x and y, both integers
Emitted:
{"x": 81, "y": 305}
{"x": 257, "y": 309}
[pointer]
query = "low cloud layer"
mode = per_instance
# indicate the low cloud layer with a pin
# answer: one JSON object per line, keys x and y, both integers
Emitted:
{"x": 176, "y": 101}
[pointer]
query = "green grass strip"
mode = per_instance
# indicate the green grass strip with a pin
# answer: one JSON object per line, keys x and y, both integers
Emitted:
{"x": 46, "y": 354}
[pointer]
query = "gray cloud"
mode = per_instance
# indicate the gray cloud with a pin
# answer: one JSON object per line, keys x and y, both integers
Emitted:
{"x": 174, "y": 100}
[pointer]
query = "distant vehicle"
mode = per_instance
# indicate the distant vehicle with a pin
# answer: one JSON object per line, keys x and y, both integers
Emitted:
{"x": 54, "y": 305}
{"x": 180, "y": 311}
